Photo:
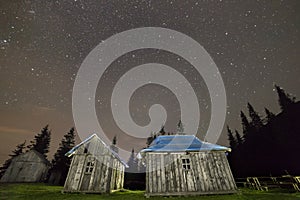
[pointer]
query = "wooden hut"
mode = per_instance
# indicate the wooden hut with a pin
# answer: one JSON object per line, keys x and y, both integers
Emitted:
{"x": 30, "y": 166}
{"x": 95, "y": 168}
{"x": 184, "y": 165}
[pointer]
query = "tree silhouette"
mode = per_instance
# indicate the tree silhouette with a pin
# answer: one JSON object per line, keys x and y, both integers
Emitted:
{"x": 19, "y": 150}
{"x": 180, "y": 128}
{"x": 284, "y": 99}
{"x": 232, "y": 141}
{"x": 113, "y": 145}
{"x": 270, "y": 116}
{"x": 239, "y": 138}
{"x": 41, "y": 141}
{"x": 60, "y": 162}
{"x": 245, "y": 125}
{"x": 162, "y": 130}
{"x": 256, "y": 121}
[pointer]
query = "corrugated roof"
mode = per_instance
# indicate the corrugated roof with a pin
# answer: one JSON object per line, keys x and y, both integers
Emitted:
{"x": 182, "y": 143}
{"x": 74, "y": 149}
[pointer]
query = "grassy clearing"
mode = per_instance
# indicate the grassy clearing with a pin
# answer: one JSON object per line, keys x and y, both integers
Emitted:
{"x": 45, "y": 192}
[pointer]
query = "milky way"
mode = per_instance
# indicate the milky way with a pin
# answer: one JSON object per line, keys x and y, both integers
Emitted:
{"x": 42, "y": 45}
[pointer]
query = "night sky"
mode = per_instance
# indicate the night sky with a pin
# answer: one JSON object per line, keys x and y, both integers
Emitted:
{"x": 254, "y": 44}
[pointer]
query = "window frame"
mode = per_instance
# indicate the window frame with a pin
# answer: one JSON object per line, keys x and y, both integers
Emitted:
{"x": 89, "y": 166}
{"x": 186, "y": 163}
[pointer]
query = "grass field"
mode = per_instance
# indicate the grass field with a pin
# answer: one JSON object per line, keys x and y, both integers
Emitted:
{"x": 45, "y": 192}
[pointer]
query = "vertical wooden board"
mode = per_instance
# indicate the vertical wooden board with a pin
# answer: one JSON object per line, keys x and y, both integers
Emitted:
{"x": 163, "y": 175}
{"x": 222, "y": 172}
{"x": 158, "y": 172}
{"x": 174, "y": 181}
{"x": 177, "y": 173}
{"x": 98, "y": 186}
{"x": 214, "y": 157}
{"x": 147, "y": 173}
{"x": 204, "y": 167}
{"x": 229, "y": 173}
{"x": 103, "y": 175}
{"x": 75, "y": 185}
{"x": 195, "y": 169}
{"x": 181, "y": 174}
{"x": 70, "y": 175}
{"x": 172, "y": 178}
{"x": 226, "y": 173}
{"x": 95, "y": 177}
{"x": 191, "y": 177}
{"x": 167, "y": 176}
{"x": 154, "y": 172}
{"x": 180, "y": 170}
{"x": 199, "y": 175}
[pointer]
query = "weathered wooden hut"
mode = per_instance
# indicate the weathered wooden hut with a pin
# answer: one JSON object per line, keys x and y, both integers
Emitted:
{"x": 184, "y": 165}
{"x": 30, "y": 166}
{"x": 95, "y": 168}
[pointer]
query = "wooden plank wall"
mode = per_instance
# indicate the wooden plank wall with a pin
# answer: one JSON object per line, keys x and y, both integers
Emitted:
{"x": 210, "y": 173}
{"x": 27, "y": 167}
{"x": 107, "y": 175}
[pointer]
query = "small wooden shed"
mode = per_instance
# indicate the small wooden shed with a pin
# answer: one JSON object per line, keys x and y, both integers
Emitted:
{"x": 184, "y": 165}
{"x": 30, "y": 166}
{"x": 95, "y": 168}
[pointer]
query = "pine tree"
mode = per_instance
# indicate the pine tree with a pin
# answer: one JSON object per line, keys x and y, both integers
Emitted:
{"x": 19, "y": 150}
{"x": 113, "y": 145}
{"x": 41, "y": 141}
{"x": 180, "y": 128}
{"x": 231, "y": 138}
{"x": 270, "y": 116}
{"x": 239, "y": 138}
{"x": 284, "y": 99}
{"x": 150, "y": 139}
{"x": 162, "y": 130}
{"x": 114, "y": 142}
{"x": 60, "y": 162}
{"x": 245, "y": 124}
{"x": 256, "y": 121}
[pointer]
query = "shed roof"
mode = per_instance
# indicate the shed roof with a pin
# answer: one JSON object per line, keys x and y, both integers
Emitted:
{"x": 182, "y": 143}
{"x": 87, "y": 140}
{"x": 38, "y": 155}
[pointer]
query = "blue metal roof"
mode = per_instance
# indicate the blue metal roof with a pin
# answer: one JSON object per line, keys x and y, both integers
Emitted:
{"x": 182, "y": 143}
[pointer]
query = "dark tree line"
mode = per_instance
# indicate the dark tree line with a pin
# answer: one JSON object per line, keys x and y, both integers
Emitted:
{"x": 41, "y": 143}
{"x": 268, "y": 145}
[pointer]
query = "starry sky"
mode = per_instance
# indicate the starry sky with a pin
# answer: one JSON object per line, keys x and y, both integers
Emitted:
{"x": 254, "y": 44}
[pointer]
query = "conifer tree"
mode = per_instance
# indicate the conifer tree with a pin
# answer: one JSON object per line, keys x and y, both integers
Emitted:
{"x": 232, "y": 141}
{"x": 41, "y": 141}
{"x": 245, "y": 124}
{"x": 256, "y": 121}
{"x": 113, "y": 145}
{"x": 180, "y": 128}
{"x": 61, "y": 162}
{"x": 239, "y": 138}
{"x": 162, "y": 130}
{"x": 270, "y": 116}
{"x": 284, "y": 99}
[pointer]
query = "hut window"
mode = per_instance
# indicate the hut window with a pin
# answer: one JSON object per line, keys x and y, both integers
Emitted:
{"x": 186, "y": 164}
{"x": 89, "y": 167}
